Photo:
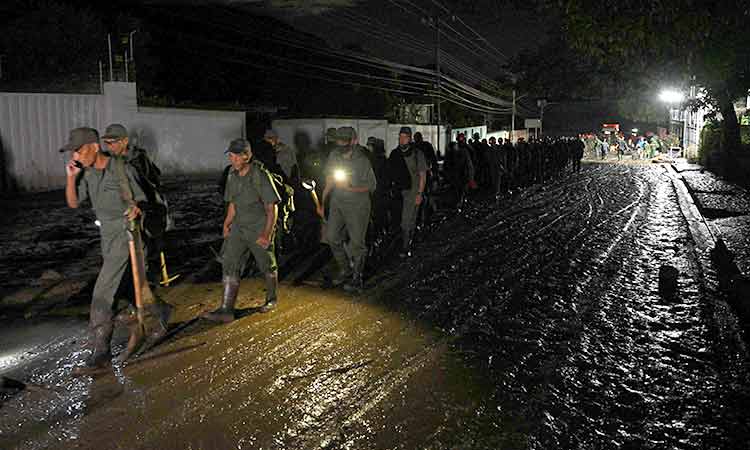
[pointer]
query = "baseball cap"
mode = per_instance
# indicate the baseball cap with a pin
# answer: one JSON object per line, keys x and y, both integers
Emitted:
{"x": 115, "y": 131}
{"x": 238, "y": 146}
{"x": 270, "y": 134}
{"x": 79, "y": 137}
{"x": 345, "y": 134}
{"x": 405, "y": 130}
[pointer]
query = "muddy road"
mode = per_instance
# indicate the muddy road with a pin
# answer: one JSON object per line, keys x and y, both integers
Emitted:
{"x": 535, "y": 323}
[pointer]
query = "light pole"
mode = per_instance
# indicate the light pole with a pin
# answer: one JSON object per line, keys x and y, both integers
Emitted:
{"x": 130, "y": 41}
{"x": 673, "y": 97}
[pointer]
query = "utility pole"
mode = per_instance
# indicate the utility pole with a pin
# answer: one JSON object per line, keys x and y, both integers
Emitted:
{"x": 513, "y": 118}
{"x": 541, "y": 103}
{"x": 109, "y": 47}
{"x": 101, "y": 77}
{"x": 130, "y": 41}
{"x": 437, "y": 75}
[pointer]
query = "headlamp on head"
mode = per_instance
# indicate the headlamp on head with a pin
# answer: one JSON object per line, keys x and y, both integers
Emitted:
{"x": 339, "y": 175}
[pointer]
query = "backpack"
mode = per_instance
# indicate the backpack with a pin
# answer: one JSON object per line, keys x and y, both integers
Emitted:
{"x": 286, "y": 192}
{"x": 156, "y": 218}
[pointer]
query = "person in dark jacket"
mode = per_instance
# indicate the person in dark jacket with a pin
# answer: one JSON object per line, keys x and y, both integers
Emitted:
{"x": 458, "y": 170}
{"x": 407, "y": 168}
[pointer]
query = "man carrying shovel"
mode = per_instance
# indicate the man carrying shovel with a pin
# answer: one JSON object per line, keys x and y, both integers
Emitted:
{"x": 95, "y": 176}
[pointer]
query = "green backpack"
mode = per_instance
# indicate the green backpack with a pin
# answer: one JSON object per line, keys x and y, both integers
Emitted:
{"x": 286, "y": 192}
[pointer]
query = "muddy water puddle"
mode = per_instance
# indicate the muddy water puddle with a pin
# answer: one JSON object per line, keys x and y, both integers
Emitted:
{"x": 323, "y": 371}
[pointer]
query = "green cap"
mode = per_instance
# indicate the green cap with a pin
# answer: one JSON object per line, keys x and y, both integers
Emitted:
{"x": 346, "y": 134}
{"x": 115, "y": 131}
{"x": 79, "y": 137}
{"x": 238, "y": 146}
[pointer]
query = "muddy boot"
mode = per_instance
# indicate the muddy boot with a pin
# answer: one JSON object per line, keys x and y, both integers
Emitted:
{"x": 159, "y": 313}
{"x": 343, "y": 276}
{"x": 355, "y": 285}
{"x": 406, "y": 245}
{"x": 225, "y": 313}
{"x": 101, "y": 356}
{"x": 272, "y": 282}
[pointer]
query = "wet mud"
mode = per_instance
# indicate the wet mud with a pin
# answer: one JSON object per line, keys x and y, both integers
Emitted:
{"x": 536, "y": 323}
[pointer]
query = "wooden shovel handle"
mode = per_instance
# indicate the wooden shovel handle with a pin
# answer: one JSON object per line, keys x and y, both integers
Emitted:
{"x": 137, "y": 280}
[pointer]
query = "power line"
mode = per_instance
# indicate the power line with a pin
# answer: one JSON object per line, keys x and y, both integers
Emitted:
{"x": 416, "y": 46}
{"x": 481, "y": 38}
{"x": 470, "y": 41}
{"x": 380, "y": 64}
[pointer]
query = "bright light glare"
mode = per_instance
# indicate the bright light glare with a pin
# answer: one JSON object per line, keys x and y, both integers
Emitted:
{"x": 339, "y": 175}
{"x": 671, "y": 96}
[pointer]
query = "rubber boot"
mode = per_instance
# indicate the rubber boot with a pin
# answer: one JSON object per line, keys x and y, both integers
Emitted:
{"x": 406, "y": 248}
{"x": 341, "y": 256}
{"x": 101, "y": 355}
{"x": 272, "y": 283}
{"x": 225, "y": 313}
{"x": 343, "y": 276}
{"x": 355, "y": 285}
{"x": 159, "y": 313}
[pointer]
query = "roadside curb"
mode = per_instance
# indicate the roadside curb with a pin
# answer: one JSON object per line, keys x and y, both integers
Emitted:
{"x": 709, "y": 242}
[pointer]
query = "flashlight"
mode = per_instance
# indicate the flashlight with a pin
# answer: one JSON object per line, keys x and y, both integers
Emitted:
{"x": 339, "y": 175}
{"x": 308, "y": 184}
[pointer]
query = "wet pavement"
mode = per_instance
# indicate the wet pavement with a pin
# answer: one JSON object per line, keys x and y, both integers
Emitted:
{"x": 536, "y": 323}
{"x": 726, "y": 207}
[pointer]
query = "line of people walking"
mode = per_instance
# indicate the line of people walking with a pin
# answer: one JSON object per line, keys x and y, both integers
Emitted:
{"x": 361, "y": 200}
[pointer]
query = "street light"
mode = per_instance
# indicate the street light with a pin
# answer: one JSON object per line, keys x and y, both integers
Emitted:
{"x": 674, "y": 99}
{"x": 671, "y": 96}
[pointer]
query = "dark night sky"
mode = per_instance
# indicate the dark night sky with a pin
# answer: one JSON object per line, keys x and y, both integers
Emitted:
{"x": 505, "y": 27}
{"x": 382, "y": 28}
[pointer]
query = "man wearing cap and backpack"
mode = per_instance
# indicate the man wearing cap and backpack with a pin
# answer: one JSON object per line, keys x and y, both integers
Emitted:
{"x": 407, "y": 168}
{"x": 349, "y": 183}
{"x": 101, "y": 178}
{"x": 155, "y": 209}
{"x": 249, "y": 227}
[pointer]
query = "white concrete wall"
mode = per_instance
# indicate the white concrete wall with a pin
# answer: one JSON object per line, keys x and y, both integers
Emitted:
{"x": 186, "y": 141}
{"x": 34, "y": 126}
{"x": 180, "y": 141}
{"x": 469, "y": 132}
{"x": 310, "y": 133}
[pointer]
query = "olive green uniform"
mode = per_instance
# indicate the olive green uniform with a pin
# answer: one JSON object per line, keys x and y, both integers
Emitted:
{"x": 103, "y": 189}
{"x": 416, "y": 163}
{"x": 249, "y": 194}
{"x": 349, "y": 213}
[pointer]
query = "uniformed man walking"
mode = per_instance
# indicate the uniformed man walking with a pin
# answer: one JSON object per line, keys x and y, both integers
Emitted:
{"x": 286, "y": 157}
{"x": 100, "y": 178}
{"x": 349, "y": 183}
{"x": 249, "y": 224}
{"x": 408, "y": 171}
{"x": 148, "y": 176}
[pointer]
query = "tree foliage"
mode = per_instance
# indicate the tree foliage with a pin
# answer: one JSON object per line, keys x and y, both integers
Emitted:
{"x": 686, "y": 42}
